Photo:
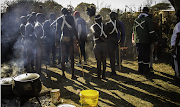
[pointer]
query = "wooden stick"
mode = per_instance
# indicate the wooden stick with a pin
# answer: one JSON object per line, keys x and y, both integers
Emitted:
{"x": 81, "y": 60}
{"x": 119, "y": 58}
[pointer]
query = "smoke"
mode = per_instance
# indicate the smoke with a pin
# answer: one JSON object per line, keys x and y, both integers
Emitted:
{"x": 12, "y": 48}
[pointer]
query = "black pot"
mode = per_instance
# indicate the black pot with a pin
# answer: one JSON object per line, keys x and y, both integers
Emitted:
{"x": 27, "y": 85}
{"x": 6, "y": 87}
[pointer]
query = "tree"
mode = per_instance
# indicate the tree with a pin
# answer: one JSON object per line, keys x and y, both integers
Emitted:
{"x": 82, "y": 9}
{"x": 161, "y": 6}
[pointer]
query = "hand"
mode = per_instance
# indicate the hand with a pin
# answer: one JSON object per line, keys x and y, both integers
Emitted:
{"x": 78, "y": 42}
{"x": 119, "y": 42}
{"x": 173, "y": 51}
{"x": 104, "y": 40}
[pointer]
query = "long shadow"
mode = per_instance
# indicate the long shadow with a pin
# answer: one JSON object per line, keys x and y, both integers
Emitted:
{"x": 149, "y": 93}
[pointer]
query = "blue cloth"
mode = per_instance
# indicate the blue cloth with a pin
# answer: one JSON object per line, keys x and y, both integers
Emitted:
{"x": 123, "y": 31}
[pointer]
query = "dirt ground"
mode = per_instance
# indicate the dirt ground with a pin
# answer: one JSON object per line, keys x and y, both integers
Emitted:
{"x": 126, "y": 89}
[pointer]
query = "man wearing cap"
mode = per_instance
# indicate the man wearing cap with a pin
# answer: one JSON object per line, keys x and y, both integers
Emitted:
{"x": 144, "y": 35}
{"x": 175, "y": 44}
{"x": 113, "y": 25}
{"x": 82, "y": 35}
{"x": 100, "y": 32}
{"x": 66, "y": 25}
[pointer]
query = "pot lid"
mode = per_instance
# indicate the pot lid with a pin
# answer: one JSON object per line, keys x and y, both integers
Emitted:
{"x": 27, "y": 77}
{"x": 66, "y": 105}
{"x": 6, "y": 81}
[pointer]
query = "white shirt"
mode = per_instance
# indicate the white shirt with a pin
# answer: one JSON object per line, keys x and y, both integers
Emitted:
{"x": 174, "y": 35}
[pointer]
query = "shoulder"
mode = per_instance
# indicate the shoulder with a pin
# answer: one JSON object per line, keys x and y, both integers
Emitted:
{"x": 47, "y": 22}
{"x": 59, "y": 19}
{"x": 178, "y": 24}
{"x": 29, "y": 25}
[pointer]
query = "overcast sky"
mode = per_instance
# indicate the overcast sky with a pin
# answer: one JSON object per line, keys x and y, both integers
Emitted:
{"x": 114, "y": 4}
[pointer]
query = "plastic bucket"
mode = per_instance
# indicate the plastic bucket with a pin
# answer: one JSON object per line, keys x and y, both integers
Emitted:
{"x": 89, "y": 98}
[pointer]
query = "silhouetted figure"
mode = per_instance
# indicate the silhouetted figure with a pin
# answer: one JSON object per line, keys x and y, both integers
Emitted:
{"x": 144, "y": 35}
{"x": 113, "y": 25}
{"x": 100, "y": 32}
{"x": 82, "y": 35}
{"x": 22, "y": 31}
{"x": 175, "y": 44}
{"x": 66, "y": 25}
{"x": 29, "y": 42}
{"x": 123, "y": 38}
{"x": 91, "y": 10}
{"x": 40, "y": 39}
{"x": 49, "y": 40}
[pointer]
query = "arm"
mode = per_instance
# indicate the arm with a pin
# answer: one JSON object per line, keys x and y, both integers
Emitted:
{"x": 176, "y": 44}
{"x": 79, "y": 29}
{"x": 57, "y": 32}
{"x": 121, "y": 32}
{"x": 151, "y": 30}
{"x": 75, "y": 31}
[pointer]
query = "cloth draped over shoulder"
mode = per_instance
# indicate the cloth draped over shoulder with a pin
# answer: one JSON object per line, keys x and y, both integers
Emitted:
{"x": 102, "y": 33}
{"x": 143, "y": 29}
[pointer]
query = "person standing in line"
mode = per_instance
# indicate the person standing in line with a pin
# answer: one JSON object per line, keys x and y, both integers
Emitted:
{"x": 82, "y": 35}
{"x": 122, "y": 41}
{"x": 49, "y": 40}
{"x": 100, "y": 32}
{"x": 113, "y": 25}
{"x": 29, "y": 42}
{"x": 66, "y": 25}
{"x": 39, "y": 32}
{"x": 175, "y": 44}
{"x": 22, "y": 31}
{"x": 144, "y": 35}
{"x": 91, "y": 10}
{"x": 34, "y": 17}
{"x": 154, "y": 44}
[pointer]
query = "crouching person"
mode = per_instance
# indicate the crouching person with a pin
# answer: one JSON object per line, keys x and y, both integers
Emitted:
{"x": 100, "y": 32}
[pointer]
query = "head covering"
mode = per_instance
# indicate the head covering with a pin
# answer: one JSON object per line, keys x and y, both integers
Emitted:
{"x": 38, "y": 15}
{"x": 28, "y": 16}
{"x": 23, "y": 19}
{"x": 97, "y": 17}
{"x": 146, "y": 9}
{"x": 178, "y": 13}
{"x": 64, "y": 11}
{"x": 52, "y": 16}
{"x": 113, "y": 15}
{"x": 76, "y": 13}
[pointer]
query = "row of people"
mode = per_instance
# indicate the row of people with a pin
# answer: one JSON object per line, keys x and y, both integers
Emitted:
{"x": 40, "y": 35}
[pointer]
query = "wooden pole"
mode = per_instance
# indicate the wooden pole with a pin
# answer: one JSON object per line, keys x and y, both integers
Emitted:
{"x": 81, "y": 59}
{"x": 119, "y": 58}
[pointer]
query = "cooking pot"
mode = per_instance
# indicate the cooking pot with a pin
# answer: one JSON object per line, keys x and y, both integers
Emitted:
{"x": 6, "y": 87}
{"x": 27, "y": 85}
